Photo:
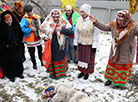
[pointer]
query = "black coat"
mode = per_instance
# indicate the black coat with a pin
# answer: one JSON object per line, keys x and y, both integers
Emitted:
{"x": 10, "y": 52}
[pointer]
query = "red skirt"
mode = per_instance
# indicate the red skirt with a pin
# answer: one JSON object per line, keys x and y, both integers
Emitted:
{"x": 85, "y": 55}
{"x": 119, "y": 74}
{"x": 57, "y": 69}
{"x": 1, "y": 73}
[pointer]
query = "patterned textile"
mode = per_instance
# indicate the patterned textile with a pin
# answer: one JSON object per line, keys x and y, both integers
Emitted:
{"x": 48, "y": 27}
{"x": 119, "y": 74}
{"x": 86, "y": 59}
{"x": 57, "y": 69}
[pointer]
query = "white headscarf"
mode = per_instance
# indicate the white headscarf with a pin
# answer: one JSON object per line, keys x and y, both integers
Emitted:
{"x": 86, "y": 8}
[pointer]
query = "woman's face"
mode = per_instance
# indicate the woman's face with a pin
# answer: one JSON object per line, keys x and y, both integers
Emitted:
{"x": 30, "y": 14}
{"x": 8, "y": 19}
{"x": 120, "y": 23}
{"x": 68, "y": 12}
{"x": 56, "y": 19}
{"x": 83, "y": 14}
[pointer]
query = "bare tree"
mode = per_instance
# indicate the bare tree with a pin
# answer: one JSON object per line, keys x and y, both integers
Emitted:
{"x": 41, "y": 7}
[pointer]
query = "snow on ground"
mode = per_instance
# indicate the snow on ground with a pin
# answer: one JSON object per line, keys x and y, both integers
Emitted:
{"x": 28, "y": 89}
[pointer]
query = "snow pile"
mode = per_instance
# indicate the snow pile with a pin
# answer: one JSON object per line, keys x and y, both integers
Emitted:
{"x": 28, "y": 89}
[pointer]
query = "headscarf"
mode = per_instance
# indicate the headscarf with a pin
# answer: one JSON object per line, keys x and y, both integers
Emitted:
{"x": 123, "y": 15}
{"x": 68, "y": 7}
{"x": 86, "y": 8}
{"x": 48, "y": 26}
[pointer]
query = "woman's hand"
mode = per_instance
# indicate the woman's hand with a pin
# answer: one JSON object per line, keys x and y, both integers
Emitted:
{"x": 93, "y": 18}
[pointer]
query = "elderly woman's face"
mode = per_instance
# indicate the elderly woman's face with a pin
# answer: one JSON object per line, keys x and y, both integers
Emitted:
{"x": 55, "y": 19}
{"x": 83, "y": 14}
{"x": 8, "y": 19}
{"x": 120, "y": 22}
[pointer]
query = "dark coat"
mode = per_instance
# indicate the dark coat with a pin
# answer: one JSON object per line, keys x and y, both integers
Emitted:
{"x": 17, "y": 15}
{"x": 10, "y": 52}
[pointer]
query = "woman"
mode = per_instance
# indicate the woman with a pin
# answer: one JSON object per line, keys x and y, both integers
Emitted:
{"x": 122, "y": 53}
{"x": 11, "y": 37}
{"x": 55, "y": 27}
{"x": 86, "y": 38}
{"x": 18, "y": 11}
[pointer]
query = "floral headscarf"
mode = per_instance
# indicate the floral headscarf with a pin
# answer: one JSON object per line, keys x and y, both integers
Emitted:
{"x": 48, "y": 26}
{"x": 123, "y": 15}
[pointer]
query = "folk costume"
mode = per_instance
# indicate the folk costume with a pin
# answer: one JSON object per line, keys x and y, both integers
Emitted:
{"x": 19, "y": 13}
{"x": 10, "y": 47}
{"x": 31, "y": 38}
{"x": 86, "y": 38}
{"x": 119, "y": 67}
{"x": 59, "y": 65}
{"x": 72, "y": 19}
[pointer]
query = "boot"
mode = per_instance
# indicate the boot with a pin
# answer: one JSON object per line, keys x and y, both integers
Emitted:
{"x": 81, "y": 75}
{"x": 34, "y": 66}
{"x": 12, "y": 79}
{"x": 107, "y": 83}
{"x": 20, "y": 76}
{"x": 86, "y": 76}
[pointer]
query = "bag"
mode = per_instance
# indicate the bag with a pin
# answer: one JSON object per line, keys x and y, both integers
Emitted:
{"x": 36, "y": 23}
{"x": 1, "y": 73}
{"x": 46, "y": 58}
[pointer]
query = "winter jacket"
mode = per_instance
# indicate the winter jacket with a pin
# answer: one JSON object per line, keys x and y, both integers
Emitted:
{"x": 126, "y": 50}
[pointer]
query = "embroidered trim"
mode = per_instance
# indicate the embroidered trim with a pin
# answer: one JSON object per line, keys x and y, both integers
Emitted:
{"x": 83, "y": 64}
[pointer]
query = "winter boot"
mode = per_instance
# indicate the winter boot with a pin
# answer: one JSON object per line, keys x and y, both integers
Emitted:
{"x": 81, "y": 75}
{"x": 107, "y": 83}
{"x": 34, "y": 66}
{"x": 86, "y": 76}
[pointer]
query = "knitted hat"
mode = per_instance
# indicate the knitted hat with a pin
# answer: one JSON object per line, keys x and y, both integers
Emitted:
{"x": 18, "y": 4}
{"x": 68, "y": 7}
{"x": 86, "y": 8}
{"x": 28, "y": 8}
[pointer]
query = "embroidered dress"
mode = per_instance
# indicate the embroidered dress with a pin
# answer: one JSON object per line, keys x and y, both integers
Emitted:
{"x": 119, "y": 74}
{"x": 58, "y": 65}
{"x": 86, "y": 37}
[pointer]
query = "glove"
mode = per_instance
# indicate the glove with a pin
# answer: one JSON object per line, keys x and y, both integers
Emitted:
{"x": 75, "y": 47}
{"x": 93, "y": 50}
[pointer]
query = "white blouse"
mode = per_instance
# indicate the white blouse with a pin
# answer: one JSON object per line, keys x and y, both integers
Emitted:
{"x": 95, "y": 37}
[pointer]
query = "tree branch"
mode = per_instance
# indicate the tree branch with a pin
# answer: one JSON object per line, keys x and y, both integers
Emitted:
{"x": 44, "y": 13}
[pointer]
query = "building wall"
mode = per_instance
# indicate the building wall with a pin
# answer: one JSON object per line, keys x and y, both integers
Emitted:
{"x": 103, "y": 10}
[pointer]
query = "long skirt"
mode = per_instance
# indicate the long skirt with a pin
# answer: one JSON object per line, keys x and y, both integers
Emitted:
{"x": 1, "y": 73}
{"x": 119, "y": 74}
{"x": 57, "y": 69}
{"x": 86, "y": 58}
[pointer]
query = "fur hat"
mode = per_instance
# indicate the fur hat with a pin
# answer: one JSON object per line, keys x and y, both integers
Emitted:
{"x": 86, "y": 8}
{"x": 18, "y": 4}
{"x": 28, "y": 8}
